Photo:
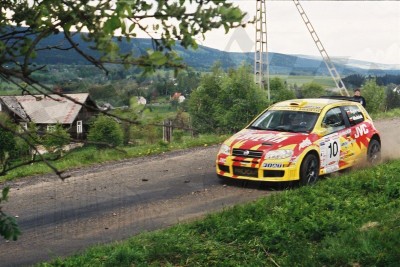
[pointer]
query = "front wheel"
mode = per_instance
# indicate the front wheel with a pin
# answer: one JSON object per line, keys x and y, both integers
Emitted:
{"x": 309, "y": 170}
{"x": 374, "y": 152}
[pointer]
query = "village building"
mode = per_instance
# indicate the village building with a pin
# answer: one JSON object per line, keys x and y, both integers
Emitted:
{"x": 72, "y": 111}
{"x": 179, "y": 97}
{"x": 141, "y": 100}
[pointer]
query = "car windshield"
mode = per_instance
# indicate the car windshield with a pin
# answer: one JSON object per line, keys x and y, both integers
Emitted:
{"x": 285, "y": 121}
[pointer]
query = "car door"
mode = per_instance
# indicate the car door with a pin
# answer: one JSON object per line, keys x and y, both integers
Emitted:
{"x": 335, "y": 145}
{"x": 359, "y": 131}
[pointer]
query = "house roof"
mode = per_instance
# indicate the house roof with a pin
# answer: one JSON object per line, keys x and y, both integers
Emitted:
{"x": 12, "y": 103}
{"x": 53, "y": 108}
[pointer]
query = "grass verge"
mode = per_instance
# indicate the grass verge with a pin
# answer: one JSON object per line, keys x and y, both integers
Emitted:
{"x": 391, "y": 114}
{"x": 351, "y": 220}
{"x": 87, "y": 156}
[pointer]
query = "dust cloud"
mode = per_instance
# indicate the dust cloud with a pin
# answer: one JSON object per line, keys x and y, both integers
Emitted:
{"x": 390, "y": 138}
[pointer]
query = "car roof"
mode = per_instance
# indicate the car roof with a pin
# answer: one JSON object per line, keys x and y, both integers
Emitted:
{"x": 308, "y": 104}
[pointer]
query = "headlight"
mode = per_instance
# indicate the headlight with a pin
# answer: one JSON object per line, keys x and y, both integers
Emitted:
{"x": 225, "y": 149}
{"x": 279, "y": 154}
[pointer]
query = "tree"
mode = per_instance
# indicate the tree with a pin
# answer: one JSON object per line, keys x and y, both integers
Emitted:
{"x": 105, "y": 131}
{"x": 374, "y": 95}
{"x": 240, "y": 100}
{"x": 354, "y": 80}
{"x": 312, "y": 90}
{"x": 26, "y": 25}
{"x": 226, "y": 102}
{"x": 279, "y": 90}
{"x": 392, "y": 96}
{"x": 203, "y": 101}
{"x": 7, "y": 141}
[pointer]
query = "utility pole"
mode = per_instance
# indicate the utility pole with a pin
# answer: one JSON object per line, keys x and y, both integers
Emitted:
{"x": 261, "y": 65}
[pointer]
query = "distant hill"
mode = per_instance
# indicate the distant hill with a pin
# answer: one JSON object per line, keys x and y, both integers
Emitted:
{"x": 204, "y": 57}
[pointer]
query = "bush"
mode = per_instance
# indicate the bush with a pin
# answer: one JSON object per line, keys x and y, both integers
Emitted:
{"x": 374, "y": 95}
{"x": 105, "y": 131}
{"x": 7, "y": 141}
{"x": 54, "y": 140}
{"x": 312, "y": 90}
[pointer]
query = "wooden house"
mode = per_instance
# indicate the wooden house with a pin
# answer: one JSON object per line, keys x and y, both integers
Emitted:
{"x": 72, "y": 111}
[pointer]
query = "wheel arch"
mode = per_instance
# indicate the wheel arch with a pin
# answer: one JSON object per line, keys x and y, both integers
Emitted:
{"x": 311, "y": 151}
{"x": 377, "y": 138}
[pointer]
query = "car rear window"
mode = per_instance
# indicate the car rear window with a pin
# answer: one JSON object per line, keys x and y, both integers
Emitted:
{"x": 354, "y": 114}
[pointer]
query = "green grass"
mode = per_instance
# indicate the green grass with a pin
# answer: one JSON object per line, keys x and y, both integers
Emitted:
{"x": 87, "y": 156}
{"x": 351, "y": 220}
{"x": 393, "y": 113}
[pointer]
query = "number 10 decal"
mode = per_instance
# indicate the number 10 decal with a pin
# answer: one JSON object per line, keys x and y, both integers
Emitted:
{"x": 330, "y": 153}
{"x": 333, "y": 149}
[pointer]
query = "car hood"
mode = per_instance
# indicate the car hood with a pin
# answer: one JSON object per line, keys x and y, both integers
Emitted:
{"x": 266, "y": 140}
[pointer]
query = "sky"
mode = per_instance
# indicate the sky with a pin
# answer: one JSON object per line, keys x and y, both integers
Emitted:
{"x": 361, "y": 30}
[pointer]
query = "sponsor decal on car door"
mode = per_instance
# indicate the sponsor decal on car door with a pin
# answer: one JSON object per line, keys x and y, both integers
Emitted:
{"x": 330, "y": 147}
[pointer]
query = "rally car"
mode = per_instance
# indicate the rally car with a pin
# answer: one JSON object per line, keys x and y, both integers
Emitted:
{"x": 300, "y": 140}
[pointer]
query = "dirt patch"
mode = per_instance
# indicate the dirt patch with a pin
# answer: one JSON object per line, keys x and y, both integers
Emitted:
{"x": 390, "y": 136}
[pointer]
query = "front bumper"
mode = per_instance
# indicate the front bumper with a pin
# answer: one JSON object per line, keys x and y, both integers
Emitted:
{"x": 257, "y": 170}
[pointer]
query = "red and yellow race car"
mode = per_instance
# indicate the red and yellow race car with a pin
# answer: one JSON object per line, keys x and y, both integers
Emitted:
{"x": 300, "y": 140}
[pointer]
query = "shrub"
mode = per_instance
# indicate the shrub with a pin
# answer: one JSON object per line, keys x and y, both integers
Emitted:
{"x": 54, "y": 140}
{"x": 105, "y": 131}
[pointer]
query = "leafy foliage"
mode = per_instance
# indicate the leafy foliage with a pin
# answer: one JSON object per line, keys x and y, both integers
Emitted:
{"x": 24, "y": 25}
{"x": 8, "y": 226}
{"x": 374, "y": 95}
{"x": 105, "y": 131}
{"x": 280, "y": 91}
{"x": 225, "y": 102}
{"x": 392, "y": 97}
{"x": 56, "y": 139}
{"x": 312, "y": 90}
{"x": 7, "y": 144}
{"x": 354, "y": 80}
{"x": 88, "y": 29}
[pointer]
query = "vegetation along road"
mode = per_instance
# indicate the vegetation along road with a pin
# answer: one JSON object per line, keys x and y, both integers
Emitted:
{"x": 113, "y": 201}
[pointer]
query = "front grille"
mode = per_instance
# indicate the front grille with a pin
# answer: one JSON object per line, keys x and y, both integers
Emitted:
{"x": 247, "y": 153}
{"x": 269, "y": 173}
{"x": 243, "y": 171}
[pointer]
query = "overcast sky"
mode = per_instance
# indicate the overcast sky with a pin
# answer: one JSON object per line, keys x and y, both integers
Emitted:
{"x": 364, "y": 30}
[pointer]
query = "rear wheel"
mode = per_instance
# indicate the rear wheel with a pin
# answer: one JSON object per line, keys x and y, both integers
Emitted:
{"x": 309, "y": 170}
{"x": 374, "y": 152}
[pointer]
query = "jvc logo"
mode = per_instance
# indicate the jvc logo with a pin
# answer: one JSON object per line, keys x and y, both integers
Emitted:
{"x": 361, "y": 130}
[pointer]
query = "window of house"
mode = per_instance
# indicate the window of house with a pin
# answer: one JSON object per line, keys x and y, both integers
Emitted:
{"x": 79, "y": 127}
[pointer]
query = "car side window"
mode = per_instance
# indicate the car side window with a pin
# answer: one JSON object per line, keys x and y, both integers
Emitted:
{"x": 333, "y": 120}
{"x": 354, "y": 114}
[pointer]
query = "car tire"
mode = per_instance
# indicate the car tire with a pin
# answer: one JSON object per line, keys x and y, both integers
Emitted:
{"x": 374, "y": 152}
{"x": 309, "y": 170}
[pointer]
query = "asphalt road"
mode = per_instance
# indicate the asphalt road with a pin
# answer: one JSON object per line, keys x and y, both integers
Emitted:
{"x": 111, "y": 202}
{"x": 114, "y": 201}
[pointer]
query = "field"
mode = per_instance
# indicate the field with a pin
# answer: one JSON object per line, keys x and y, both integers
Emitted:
{"x": 325, "y": 81}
